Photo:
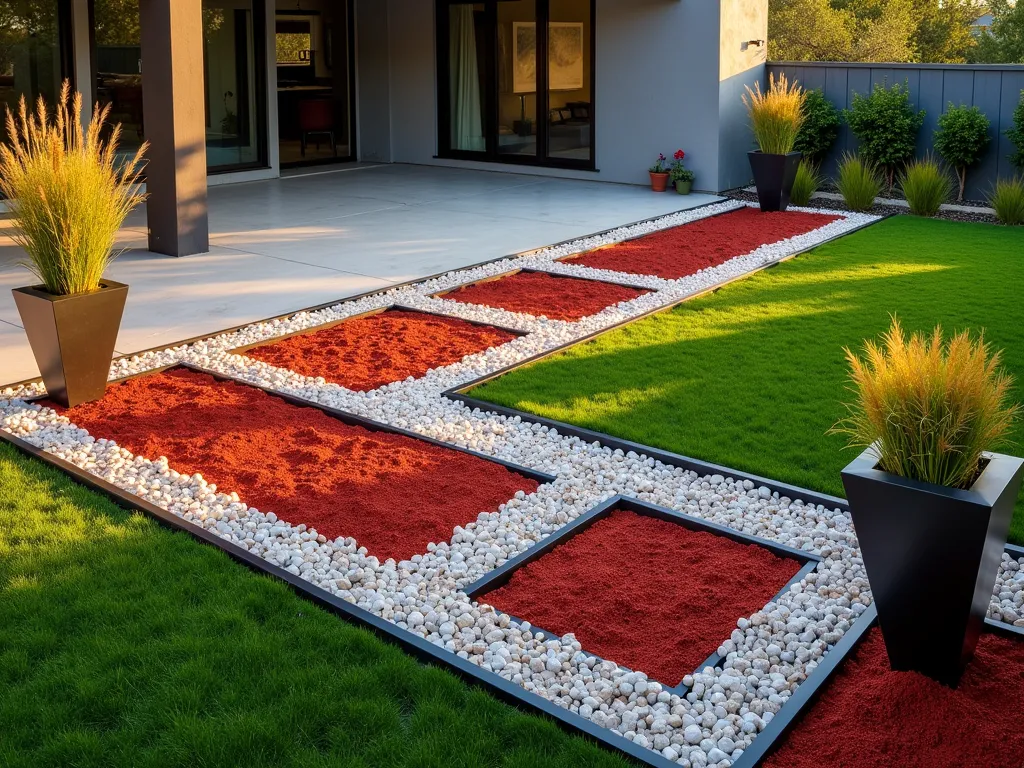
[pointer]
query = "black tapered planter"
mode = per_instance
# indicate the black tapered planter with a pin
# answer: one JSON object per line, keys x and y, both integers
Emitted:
{"x": 774, "y": 176}
{"x": 931, "y": 555}
{"x": 72, "y": 338}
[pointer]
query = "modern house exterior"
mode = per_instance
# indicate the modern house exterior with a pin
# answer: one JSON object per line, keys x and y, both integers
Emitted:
{"x": 237, "y": 90}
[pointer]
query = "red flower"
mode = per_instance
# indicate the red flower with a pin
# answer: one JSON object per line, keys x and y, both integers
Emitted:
{"x": 680, "y": 154}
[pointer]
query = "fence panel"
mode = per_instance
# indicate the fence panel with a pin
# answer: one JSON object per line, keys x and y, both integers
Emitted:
{"x": 995, "y": 89}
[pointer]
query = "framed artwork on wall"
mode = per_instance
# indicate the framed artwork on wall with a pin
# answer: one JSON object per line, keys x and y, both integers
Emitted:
{"x": 565, "y": 56}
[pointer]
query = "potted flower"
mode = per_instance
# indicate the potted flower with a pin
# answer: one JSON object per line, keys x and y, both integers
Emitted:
{"x": 682, "y": 177}
{"x": 931, "y": 507}
{"x": 659, "y": 174}
{"x": 68, "y": 194}
{"x": 775, "y": 118}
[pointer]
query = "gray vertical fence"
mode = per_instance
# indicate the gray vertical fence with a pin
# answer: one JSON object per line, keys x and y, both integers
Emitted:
{"x": 994, "y": 88}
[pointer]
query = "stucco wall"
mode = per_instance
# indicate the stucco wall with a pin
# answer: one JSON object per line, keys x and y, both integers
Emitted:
{"x": 660, "y": 85}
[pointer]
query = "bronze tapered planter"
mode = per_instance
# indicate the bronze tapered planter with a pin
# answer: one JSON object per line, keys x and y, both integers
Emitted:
{"x": 73, "y": 338}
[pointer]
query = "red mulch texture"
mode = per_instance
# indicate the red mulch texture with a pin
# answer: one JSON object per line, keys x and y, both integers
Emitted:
{"x": 369, "y": 352}
{"x": 684, "y": 250}
{"x": 393, "y": 494}
{"x": 540, "y": 293}
{"x": 651, "y": 595}
{"x": 870, "y": 716}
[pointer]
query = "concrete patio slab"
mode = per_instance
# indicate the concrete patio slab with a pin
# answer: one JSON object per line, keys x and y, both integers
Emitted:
{"x": 305, "y": 239}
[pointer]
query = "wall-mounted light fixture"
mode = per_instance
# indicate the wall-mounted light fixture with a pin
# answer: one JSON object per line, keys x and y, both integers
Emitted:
{"x": 756, "y": 43}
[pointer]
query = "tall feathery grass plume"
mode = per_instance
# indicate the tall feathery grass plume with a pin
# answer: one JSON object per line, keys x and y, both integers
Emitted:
{"x": 68, "y": 190}
{"x": 928, "y": 407}
{"x": 776, "y": 115}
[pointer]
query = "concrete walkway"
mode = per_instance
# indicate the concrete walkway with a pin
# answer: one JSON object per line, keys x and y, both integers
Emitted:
{"x": 306, "y": 239}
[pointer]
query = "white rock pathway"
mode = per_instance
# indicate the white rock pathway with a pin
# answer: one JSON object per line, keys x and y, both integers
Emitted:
{"x": 768, "y": 654}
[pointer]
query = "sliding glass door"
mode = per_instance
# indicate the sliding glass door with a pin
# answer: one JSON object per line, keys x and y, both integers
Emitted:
{"x": 500, "y": 98}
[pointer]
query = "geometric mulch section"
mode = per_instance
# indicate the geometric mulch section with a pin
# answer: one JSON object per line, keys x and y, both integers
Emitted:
{"x": 648, "y": 594}
{"x": 557, "y": 297}
{"x": 868, "y": 715}
{"x": 394, "y": 494}
{"x": 368, "y": 352}
{"x": 684, "y": 250}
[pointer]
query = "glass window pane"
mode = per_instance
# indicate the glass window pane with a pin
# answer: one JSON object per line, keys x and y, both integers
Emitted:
{"x": 517, "y": 69}
{"x": 119, "y": 68}
{"x": 30, "y": 64}
{"x": 466, "y": 66}
{"x": 232, "y": 129}
{"x": 569, "y": 86}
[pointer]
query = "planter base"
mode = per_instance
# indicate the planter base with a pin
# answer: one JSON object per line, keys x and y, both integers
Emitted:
{"x": 73, "y": 338}
{"x": 774, "y": 176}
{"x": 932, "y": 554}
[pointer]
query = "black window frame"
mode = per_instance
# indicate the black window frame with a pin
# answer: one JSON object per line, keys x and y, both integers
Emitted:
{"x": 491, "y": 153}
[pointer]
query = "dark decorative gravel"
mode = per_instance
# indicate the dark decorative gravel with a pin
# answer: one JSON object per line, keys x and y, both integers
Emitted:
{"x": 878, "y": 210}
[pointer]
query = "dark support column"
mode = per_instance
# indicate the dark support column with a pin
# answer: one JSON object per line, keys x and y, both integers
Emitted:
{"x": 175, "y": 116}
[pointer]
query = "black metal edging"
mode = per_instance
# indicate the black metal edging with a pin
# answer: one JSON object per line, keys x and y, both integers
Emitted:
{"x": 1003, "y": 627}
{"x": 458, "y": 394}
{"x": 669, "y": 458}
{"x": 807, "y": 692}
{"x": 499, "y": 577}
{"x": 419, "y": 647}
{"x": 392, "y": 287}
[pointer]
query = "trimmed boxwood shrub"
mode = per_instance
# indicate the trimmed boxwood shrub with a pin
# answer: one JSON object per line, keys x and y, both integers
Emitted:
{"x": 886, "y": 125}
{"x": 961, "y": 139}
{"x": 820, "y": 129}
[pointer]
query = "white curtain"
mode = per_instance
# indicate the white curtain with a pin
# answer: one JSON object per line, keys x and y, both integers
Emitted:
{"x": 467, "y": 132}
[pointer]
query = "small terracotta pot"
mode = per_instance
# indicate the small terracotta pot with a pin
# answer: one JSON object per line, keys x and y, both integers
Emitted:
{"x": 659, "y": 181}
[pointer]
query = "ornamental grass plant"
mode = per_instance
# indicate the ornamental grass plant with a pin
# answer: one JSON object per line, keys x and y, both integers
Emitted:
{"x": 928, "y": 407}
{"x": 1007, "y": 199}
{"x": 68, "y": 191}
{"x": 859, "y": 182}
{"x": 926, "y": 185}
{"x": 805, "y": 184}
{"x": 776, "y": 115}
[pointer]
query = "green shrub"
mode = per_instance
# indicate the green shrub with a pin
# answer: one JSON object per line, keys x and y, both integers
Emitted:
{"x": 820, "y": 128}
{"x": 806, "y": 183}
{"x": 775, "y": 115}
{"x": 961, "y": 139}
{"x": 926, "y": 185}
{"x": 68, "y": 192}
{"x": 886, "y": 125}
{"x": 858, "y": 182}
{"x": 928, "y": 407}
{"x": 1007, "y": 199}
{"x": 1015, "y": 133}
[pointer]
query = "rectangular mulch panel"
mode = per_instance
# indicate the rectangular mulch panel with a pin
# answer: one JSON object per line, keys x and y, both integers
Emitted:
{"x": 687, "y": 249}
{"x": 392, "y": 493}
{"x": 868, "y": 716}
{"x": 556, "y": 297}
{"x": 365, "y": 353}
{"x": 652, "y": 595}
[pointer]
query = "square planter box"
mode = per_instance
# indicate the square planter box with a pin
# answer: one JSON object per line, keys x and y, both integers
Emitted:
{"x": 931, "y": 554}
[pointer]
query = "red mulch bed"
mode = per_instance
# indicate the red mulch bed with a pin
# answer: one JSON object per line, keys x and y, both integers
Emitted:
{"x": 684, "y": 250}
{"x": 393, "y": 494}
{"x": 540, "y": 293}
{"x": 368, "y": 352}
{"x": 651, "y": 595}
{"x": 870, "y": 716}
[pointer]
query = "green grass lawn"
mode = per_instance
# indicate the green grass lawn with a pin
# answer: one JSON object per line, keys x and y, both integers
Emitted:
{"x": 124, "y": 644}
{"x": 753, "y": 376}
